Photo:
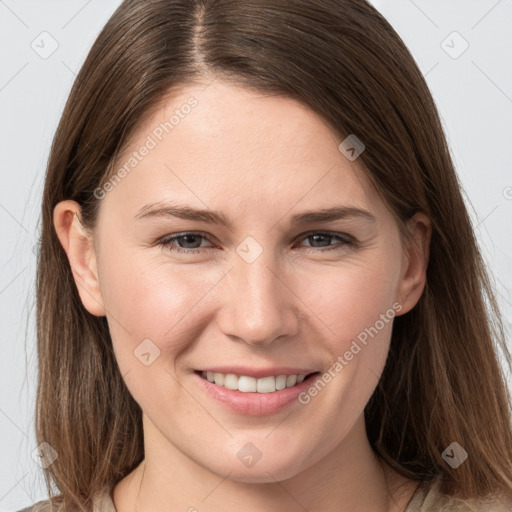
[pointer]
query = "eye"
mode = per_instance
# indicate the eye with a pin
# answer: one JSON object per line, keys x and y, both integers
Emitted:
{"x": 323, "y": 238}
{"x": 185, "y": 241}
{"x": 191, "y": 242}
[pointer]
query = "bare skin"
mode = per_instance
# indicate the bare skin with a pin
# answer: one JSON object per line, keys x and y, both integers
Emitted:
{"x": 258, "y": 160}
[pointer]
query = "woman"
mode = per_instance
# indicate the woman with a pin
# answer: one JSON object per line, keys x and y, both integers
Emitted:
{"x": 258, "y": 285}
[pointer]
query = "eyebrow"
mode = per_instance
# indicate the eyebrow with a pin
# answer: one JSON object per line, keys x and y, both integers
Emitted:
{"x": 333, "y": 213}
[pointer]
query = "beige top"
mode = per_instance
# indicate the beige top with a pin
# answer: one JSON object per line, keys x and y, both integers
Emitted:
{"x": 426, "y": 499}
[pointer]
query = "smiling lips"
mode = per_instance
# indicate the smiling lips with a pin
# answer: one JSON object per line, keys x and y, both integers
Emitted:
{"x": 253, "y": 392}
{"x": 248, "y": 384}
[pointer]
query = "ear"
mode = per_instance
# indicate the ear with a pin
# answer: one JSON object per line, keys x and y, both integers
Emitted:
{"x": 78, "y": 245}
{"x": 414, "y": 262}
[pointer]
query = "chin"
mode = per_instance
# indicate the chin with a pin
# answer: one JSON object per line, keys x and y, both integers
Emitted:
{"x": 268, "y": 475}
{"x": 262, "y": 472}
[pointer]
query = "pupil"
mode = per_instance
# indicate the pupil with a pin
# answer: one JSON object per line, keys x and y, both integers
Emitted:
{"x": 187, "y": 240}
{"x": 325, "y": 237}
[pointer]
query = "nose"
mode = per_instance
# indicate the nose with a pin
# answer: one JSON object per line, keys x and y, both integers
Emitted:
{"x": 260, "y": 305}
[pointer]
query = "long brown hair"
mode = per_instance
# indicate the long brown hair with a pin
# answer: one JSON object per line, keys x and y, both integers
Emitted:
{"x": 442, "y": 381}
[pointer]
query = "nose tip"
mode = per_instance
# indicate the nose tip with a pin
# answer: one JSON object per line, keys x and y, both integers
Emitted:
{"x": 260, "y": 307}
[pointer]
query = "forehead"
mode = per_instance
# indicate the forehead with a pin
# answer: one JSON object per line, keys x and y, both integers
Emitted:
{"x": 218, "y": 142}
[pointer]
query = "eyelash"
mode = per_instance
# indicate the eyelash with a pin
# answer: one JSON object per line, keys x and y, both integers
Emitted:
{"x": 168, "y": 241}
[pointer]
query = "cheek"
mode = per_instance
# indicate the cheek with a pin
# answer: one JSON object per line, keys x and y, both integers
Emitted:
{"x": 355, "y": 307}
{"x": 146, "y": 299}
{"x": 154, "y": 314}
{"x": 349, "y": 299}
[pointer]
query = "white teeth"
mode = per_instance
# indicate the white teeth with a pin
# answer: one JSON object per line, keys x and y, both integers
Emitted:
{"x": 231, "y": 381}
{"x": 248, "y": 384}
{"x": 280, "y": 382}
{"x": 291, "y": 380}
{"x": 266, "y": 385}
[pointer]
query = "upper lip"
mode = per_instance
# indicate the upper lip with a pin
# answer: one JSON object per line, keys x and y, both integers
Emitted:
{"x": 258, "y": 373}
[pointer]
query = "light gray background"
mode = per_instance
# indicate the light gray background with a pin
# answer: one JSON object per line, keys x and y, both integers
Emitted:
{"x": 473, "y": 92}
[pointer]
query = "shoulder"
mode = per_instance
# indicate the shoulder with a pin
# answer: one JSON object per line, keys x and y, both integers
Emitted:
{"x": 40, "y": 506}
{"x": 102, "y": 502}
{"x": 428, "y": 498}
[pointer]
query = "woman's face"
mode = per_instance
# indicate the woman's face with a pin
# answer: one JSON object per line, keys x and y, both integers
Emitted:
{"x": 264, "y": 285}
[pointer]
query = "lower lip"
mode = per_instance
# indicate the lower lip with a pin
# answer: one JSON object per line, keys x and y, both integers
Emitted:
{"x": 254, "y": 404}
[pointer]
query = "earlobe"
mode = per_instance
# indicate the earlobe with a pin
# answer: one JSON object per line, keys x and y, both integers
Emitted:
{"x": 77, "y": 242}
{"x": 415, "y": 262}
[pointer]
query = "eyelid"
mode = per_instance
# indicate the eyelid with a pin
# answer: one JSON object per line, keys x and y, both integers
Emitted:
{"x": 347, "y": 240}
{"x": 340, "y": 234}
{"x": 169, "y": 238}
{"x": 302, "y": 235}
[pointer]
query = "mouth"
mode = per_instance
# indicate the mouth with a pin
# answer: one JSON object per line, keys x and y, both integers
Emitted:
{"x": 259, "y": 394}
{"x": 248, "y": 384}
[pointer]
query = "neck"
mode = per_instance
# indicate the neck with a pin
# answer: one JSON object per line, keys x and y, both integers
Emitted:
{"x": 351, "y": 478}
